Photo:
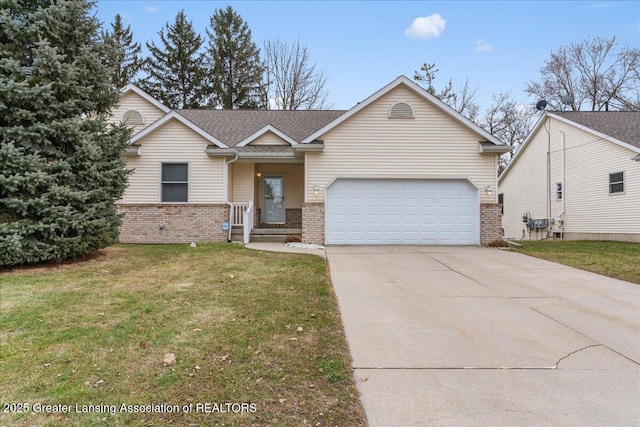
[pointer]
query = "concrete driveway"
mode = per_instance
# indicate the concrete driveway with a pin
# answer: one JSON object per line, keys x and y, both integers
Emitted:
{"x": 476, "y": 336}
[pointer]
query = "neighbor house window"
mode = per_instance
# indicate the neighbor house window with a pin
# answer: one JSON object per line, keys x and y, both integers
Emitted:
{"x": 558, "y": 191}
{"x": 616, "y": 182}
{"x": 175, "y": 182}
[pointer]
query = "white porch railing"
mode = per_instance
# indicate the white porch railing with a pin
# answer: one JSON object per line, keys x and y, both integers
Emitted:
{"x": 237, "y": 212}
{"x": 247, "y": 223}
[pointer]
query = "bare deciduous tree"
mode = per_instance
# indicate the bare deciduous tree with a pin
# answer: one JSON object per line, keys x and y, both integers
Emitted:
{"x": 595, "y": 72}
{"x": 510, "y": 122}
{"x": 293, "y": 80}
{"x": 464, "y": 100}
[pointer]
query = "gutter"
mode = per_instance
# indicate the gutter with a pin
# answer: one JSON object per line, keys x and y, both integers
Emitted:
{"x": 217, "y": 152}
{"x": 133, "y": 150}
{"x": 493, "y": 149}
{"x": 227, "y": 193}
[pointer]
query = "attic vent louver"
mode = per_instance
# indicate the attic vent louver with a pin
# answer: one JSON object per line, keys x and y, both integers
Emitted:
{"x": 132, "y": 118}
{"x": 401, "y": 110}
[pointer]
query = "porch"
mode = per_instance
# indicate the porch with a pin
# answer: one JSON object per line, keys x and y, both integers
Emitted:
{"x": 265, "y": 201}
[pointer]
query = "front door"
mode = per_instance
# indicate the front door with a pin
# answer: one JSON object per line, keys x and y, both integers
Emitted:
{"x": 273, "y": 207}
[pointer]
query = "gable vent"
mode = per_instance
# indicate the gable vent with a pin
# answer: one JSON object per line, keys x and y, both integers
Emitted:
{"x": 401, "y": 110}
{"x": 132, "y": 118}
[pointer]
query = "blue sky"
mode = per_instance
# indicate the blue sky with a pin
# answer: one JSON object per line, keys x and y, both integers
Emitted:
{"x": 363, "y": 45}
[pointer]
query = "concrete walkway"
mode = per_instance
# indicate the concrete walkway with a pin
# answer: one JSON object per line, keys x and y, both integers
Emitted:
{"x": 473, "y": 336}
{"x": 280, "y": 247}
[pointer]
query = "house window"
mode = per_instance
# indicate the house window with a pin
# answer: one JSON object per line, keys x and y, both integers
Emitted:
{"x": 616, "y": 182}
{"x": 175, "y": 182}
{"x": 401, "y": 110}
{"x": 501, "y": 202}
{"x": 558, "y": 191}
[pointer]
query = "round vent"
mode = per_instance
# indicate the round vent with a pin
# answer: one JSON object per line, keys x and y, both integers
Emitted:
{"x": 132, "y": 118}
{"x": 401, "y": 110}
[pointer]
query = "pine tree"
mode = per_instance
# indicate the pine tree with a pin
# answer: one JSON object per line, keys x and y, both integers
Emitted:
{"x": 176, "y": 75}
{"x": 123, "y": 57}
{"x": 62, "y": 166}
{"x": 235, "y": 59}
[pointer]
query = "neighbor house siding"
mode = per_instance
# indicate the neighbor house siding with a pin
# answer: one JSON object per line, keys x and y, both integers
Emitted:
{"x": 268, "y": 138}
{"x": 133, "y": 101}
{"x": 525, "y": 189}
{"x": 590, "y": 211}
{"x": 589, "y": 208}
{"x": 433, "y": 145}
{"x": 175, "y": 142}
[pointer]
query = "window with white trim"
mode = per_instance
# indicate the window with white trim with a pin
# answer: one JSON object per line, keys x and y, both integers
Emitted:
{"x": 558, "y": 191}
{"x": 175, "y": 183}
{"x": 616, "y": 182}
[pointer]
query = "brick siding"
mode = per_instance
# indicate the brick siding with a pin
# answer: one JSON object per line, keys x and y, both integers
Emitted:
{"x": 200, "y": 223}
{"x": 490, "y": 222}
{"x": 313, "y": 223}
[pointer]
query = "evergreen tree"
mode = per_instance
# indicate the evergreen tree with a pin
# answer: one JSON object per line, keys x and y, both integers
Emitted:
{"x": 62, "y": 167}
{"x": 176, "y": 75}
{"x": 123, "y": 55}
{"x": 235, "y": 59}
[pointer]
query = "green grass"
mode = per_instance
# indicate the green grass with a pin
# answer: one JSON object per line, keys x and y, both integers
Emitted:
{"x": 620, "y": 260}
{"x": 245, "y": 326}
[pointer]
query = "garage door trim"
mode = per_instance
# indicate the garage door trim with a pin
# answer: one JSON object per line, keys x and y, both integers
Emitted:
{"x": 471, "y": 202}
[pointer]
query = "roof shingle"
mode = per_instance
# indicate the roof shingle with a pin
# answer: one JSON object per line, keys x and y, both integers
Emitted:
{"x": 233, "y": 126}
{"x": 622, "y": 125}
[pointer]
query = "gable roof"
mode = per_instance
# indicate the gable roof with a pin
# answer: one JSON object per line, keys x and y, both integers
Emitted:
{"x": 175, "y": 116}
{"x": 607, "y": 125}
{"x": 621, "y": 125}
{"x": 403, "y": 80}
{"x": 260, "y": 132}
{"x": 133, "y": 88}
{"x": 236, "y": 127}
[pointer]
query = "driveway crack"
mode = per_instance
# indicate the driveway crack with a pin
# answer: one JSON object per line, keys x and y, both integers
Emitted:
{"x": 576, "y": 351}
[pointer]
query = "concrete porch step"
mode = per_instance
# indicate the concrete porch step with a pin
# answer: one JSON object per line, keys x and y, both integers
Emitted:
{"x": 276, "y": 231}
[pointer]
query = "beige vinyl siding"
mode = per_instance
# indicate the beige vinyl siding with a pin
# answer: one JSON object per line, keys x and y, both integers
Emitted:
{"x": 174, "y": 142}
{"x": 524, "y": 189}
{"x": 133, "y": 101}
{"x": 269, "y": 138}
{"x": 243, "y": 181}
{"x": 293, "y": 182}
{"x": 589, "y": 208}
{"x": 433, "y": 145}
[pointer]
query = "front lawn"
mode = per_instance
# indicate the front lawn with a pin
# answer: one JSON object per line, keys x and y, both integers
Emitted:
{"x": 620, "y": 260}
{"x": 256, "y": 336}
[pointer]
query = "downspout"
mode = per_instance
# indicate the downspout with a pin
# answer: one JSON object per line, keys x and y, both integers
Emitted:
{"x": 235, "y": 153}
{"x": 564, "y": 189}
{"x": 548, "y": 207}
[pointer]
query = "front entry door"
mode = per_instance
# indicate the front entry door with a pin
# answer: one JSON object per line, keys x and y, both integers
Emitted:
{"x": 273, "y": 204}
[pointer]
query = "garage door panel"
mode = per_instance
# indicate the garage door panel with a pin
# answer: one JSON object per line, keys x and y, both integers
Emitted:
{"x": 390, "y": 211}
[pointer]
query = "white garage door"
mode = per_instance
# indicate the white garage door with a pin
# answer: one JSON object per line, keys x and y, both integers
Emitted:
{"x": 401, "y": 211}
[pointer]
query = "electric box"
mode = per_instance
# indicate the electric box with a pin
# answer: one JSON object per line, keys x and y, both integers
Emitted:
{"x": 540, "y": 224}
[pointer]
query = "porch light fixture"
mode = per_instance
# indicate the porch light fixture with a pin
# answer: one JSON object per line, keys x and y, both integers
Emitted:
{"x": 488, "y": 189}
{"x": 316, "y": 188}
{"x": 258, "y": 174}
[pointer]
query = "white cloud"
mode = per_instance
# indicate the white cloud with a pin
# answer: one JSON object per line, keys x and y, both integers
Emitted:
{"x": 151, "y": 9}
{"x": 426, "y": 27}
{"x": 483, "y": 46}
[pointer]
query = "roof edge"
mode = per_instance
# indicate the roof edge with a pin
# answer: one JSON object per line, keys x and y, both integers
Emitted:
{"x": 176, "y": 116}
{"x": 133, "y": 88}
{"x": 418, "y": 90}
